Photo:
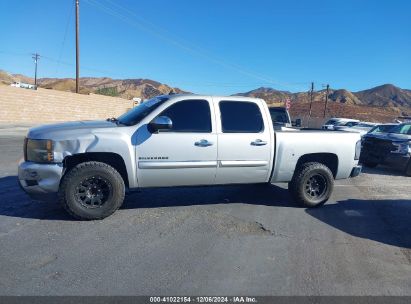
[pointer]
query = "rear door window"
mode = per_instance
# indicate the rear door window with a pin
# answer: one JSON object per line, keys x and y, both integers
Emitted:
{"x": 240, "y": 117}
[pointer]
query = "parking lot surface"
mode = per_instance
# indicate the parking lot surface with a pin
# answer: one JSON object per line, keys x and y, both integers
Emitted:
{"x": 227, "y": 240}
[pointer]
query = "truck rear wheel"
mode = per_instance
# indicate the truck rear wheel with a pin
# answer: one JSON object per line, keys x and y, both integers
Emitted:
{"x": 312, "y": 184}
{"x": 92, "y": 190}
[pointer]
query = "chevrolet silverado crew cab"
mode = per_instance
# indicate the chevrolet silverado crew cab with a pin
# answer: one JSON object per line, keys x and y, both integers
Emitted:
{"x": 181, "y": 140}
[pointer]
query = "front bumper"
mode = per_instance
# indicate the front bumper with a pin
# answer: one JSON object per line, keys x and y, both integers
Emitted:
{"x": 394, "y": 160}
{"x": 399, "y": 161}
{"x": 356, "y": 171}
{"x": 39, "y": 179}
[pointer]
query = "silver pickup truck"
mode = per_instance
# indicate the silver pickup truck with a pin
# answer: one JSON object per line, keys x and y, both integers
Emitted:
{"x": 181, "y": 140}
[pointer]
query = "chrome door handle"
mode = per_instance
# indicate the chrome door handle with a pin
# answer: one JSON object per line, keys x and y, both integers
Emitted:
{"x": 203, "y": 143}
{"x": 258, "y": 142}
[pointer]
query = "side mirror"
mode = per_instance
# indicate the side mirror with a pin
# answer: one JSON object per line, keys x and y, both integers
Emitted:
{"x": 297, "y": 123}
{"x": 160, "y": 123}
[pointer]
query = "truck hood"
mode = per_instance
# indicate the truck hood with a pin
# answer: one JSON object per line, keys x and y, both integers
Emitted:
{"x": 391, "y": 136}
{"x": 68, "y": 128}
{"x": 398, "y": 137}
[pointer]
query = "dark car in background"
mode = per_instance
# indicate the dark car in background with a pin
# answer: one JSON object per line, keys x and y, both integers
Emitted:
{"x": 392, "y": 148}
{"x": 381, "y": 129}
{"x": 281, "y": 119}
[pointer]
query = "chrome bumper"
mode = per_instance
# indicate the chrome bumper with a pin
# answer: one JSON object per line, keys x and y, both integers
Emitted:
{"x": 35, "y": 178}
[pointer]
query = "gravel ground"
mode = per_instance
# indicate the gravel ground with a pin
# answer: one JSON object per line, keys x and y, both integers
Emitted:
{"x": 248, "y": 240}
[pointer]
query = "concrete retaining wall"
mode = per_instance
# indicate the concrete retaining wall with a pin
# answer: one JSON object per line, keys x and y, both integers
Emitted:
{"x": 24, "y": 106}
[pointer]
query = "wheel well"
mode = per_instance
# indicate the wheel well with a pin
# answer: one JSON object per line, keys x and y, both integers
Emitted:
{"x": 328, "y": 159}
{"x": 112, "y": 159}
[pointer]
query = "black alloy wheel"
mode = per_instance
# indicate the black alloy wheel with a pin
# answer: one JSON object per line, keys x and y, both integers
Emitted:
{"x": 93, "y": 192}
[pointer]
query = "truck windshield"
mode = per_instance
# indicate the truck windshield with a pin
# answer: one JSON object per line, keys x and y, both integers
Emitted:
{"x": 381, "y": 129}
{"x": 401, "y": 129}
{"x": 136, "y": 114}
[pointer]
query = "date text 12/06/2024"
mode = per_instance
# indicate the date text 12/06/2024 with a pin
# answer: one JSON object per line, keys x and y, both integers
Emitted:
{"x": 202, "y": 299}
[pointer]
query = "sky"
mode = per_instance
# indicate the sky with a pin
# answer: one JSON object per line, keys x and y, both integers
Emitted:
{"x": 214, "y": 46}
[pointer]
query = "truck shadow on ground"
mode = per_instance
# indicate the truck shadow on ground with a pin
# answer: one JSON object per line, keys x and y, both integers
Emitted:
{"x": 383, "y": 170}
{"x": 384, "y": 221}
{"x": 15, "y": 203}
{"x": 254, "y": 194}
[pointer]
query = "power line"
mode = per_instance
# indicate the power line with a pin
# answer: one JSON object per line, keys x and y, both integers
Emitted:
{"x": 64, "y": 37}
{"x": 15, "y": 53}
{"x": 73, "y": 64}
{"x": 183, "y": 45}
{"x": 190, "y": 83}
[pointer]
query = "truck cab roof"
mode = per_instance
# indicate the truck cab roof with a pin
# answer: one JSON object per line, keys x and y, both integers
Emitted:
{"x": 191, "y": 95}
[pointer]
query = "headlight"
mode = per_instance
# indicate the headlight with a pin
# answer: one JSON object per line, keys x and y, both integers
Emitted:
{"x": 38, "y": 150}
{"x": 402, "y": 147}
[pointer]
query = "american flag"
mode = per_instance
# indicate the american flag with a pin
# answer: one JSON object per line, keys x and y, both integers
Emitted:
{"x": 287, "y": 103}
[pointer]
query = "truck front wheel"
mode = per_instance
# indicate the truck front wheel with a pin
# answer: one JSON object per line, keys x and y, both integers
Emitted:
{"x": 92, "y": 190}
{"x": 312, "y": 184}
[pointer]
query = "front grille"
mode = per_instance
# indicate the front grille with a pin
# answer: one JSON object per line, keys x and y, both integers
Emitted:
{"x": 377, "y": 148}
{"x": 30, "y": 182}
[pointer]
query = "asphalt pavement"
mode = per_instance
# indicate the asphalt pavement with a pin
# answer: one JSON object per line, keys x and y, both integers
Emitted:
{"x": 225, "y": 240}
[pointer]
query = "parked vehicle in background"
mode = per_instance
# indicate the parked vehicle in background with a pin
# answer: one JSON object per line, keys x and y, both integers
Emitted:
{"x": 346, "y": 122}
{"x": 382, "y": 128}
{"x": 392, "y": 148}
{"x": 405, "y": 118}
{"x": 362, "y": 128}
{"x": 23, "y": 85}
{"x": 281, "y": 119}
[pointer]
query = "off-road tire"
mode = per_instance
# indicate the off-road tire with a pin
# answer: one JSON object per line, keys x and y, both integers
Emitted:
{"x": 82, "y": 173}
{"x": 301, "y": 188}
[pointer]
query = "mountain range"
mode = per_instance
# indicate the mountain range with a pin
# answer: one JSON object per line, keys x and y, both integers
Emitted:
{"x": 387, "y": 95}
{"x": 124, "y": 88}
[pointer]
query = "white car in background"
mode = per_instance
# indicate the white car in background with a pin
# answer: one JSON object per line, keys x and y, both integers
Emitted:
{"x": 343, "y": 122}
{"x": 362, "y": 128}
{"x": 23, "y": 85}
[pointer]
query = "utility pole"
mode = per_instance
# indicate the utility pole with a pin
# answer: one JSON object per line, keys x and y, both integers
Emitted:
{"x": 36, "y": 58}
{"x": 326, "y": 98}
{"x": 77, "y": 48}
{"x": 311, "y": 101}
